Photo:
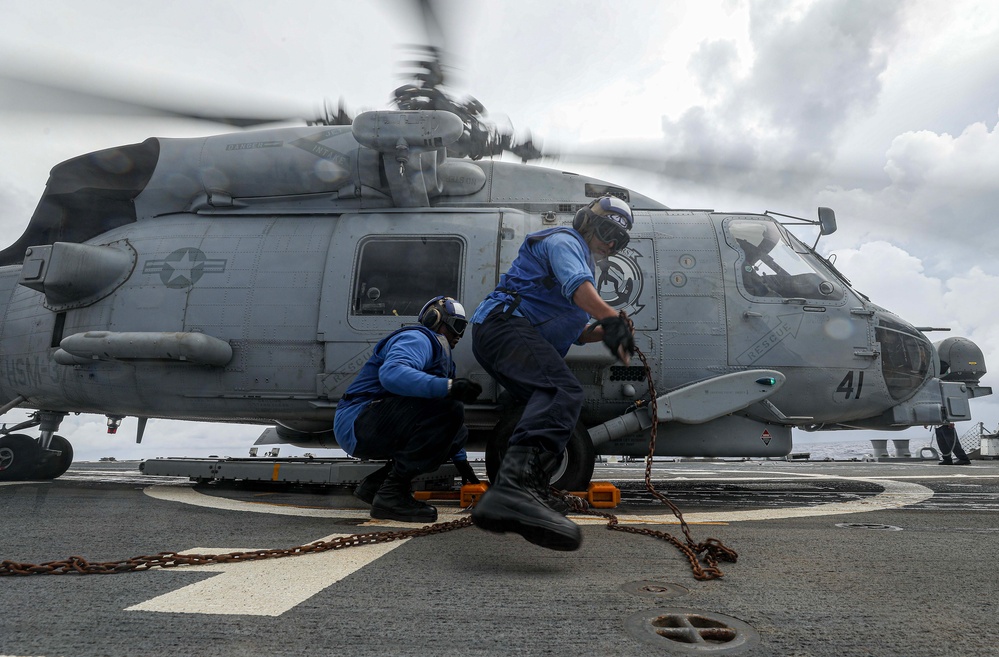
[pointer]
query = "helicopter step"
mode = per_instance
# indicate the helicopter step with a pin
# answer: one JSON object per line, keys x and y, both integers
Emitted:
{"x": 289, "y": 470}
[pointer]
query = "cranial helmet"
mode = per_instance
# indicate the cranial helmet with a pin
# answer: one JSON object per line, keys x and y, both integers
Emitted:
{"x": 609, "y": 218}
{"x": 444, "y": 311}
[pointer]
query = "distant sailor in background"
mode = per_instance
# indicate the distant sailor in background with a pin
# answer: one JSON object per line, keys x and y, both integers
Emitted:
{"x": 948, "y": 443}
{"x": 407, "y": 406}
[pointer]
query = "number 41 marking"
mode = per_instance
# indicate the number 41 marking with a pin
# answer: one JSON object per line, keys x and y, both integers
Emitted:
{"x": 846, "y": 385}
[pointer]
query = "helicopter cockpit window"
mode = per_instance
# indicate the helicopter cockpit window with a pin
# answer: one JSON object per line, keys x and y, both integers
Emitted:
{"x": 397, "y": 275}
{"x": 772, "y": 267}
{"x": 906, "y": 358}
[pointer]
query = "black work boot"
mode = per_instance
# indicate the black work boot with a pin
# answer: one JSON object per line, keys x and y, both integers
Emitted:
{"x": 549, "y": 462}
{"x": 946, "y": 460}
{"x": 366, "y": 490}
{"x": 395, "y": 501}
{"x": 514, "y": 504}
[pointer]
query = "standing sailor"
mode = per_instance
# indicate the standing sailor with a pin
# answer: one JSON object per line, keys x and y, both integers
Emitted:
{"x": 948, "y": 443}
{"x": 520, "y": 335}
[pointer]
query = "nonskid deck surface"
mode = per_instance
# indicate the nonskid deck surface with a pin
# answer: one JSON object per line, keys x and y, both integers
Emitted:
{"x": 835, "y": 558}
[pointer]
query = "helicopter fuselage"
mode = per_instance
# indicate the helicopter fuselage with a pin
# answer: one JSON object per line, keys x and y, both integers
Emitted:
{"x": 246, "y": 277}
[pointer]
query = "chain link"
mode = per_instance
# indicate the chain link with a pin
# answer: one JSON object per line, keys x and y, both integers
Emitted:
{"x": 81, "y": 566}
{"x": 709, "y": 551}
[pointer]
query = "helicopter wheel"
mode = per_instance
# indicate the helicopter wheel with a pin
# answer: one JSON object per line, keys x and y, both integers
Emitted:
{"x": 19, "y": 456}
{"x": 52, "y": 465}
{"x": 573, "y": 472}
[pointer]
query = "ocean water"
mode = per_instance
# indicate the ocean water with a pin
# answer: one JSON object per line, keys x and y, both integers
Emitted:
{"x": 846, "y": 450}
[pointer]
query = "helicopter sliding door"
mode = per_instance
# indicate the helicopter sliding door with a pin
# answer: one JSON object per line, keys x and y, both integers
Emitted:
{"x": 384, "y": 266}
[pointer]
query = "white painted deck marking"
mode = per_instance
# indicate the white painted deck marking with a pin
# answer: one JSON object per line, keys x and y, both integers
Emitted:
{"x": 272, "y": 587}
{"x": 194, "y": 498}
{"x": 263, "y": 588}
{"x": 895, "y": 494}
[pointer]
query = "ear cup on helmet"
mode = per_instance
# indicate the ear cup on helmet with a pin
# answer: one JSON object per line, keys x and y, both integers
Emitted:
{"x": 431, "y": 319}
{"x": 430, "y": 315}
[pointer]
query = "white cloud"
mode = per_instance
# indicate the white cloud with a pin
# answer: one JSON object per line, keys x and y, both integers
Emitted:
{"x": 968, "y": 161}
{"x": 894, "y": 279}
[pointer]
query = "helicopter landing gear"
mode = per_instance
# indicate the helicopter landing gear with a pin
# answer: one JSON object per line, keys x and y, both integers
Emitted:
{"x": 23, "y": 458}
{"x": 574, "y": 471}
{"x": 19, "y": 456}
{"x": 54, "y": 461}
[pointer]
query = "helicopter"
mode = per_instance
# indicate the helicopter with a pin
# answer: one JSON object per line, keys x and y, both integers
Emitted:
{"x": 245, "y": 277}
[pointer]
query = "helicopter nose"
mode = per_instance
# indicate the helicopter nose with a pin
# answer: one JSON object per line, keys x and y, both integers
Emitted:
{"x": 924, "y": 394}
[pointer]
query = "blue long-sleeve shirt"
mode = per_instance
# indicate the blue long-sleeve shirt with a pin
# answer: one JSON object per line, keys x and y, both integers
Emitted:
{"x": 412, "y": 362}
{"x": 409, "y": 357}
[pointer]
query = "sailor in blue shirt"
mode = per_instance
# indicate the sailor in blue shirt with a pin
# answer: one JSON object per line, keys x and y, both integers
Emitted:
{"x": 520, "y": 335}
{"x": 407, "y": 406}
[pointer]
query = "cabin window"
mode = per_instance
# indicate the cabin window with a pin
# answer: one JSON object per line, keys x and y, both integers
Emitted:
{"x": 398, "y": 275}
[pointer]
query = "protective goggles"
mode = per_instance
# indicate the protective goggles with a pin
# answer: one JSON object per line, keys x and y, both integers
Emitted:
{"x": 456, "y": 324}
{"x": 445, "y": 311}
{"x": 614, "y": 221}
{"x": 608, "y": 230}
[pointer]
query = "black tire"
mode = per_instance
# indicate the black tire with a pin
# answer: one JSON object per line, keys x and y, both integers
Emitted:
{"x": 573, "y": 472}
{"x": 51, "y": 465}
{"x": 18, "y": 457}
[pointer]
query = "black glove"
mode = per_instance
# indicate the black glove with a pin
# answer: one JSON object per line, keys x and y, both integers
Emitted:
{"x": 465, "y": 390}
{"x": 467, "y": 473}
{"x": 618, "y": 336}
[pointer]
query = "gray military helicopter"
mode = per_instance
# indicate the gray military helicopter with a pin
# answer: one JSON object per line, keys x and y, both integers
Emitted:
{"x": 245, "y": 277}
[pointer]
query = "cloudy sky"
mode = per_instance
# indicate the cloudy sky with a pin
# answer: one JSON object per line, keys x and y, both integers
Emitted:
{"x": 884, "y": 111}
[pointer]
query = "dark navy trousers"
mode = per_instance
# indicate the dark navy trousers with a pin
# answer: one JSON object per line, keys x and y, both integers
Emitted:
{"x": 531, "y": 370}
{"x": 948, "y": 442}
{"x": 418, "y": 434}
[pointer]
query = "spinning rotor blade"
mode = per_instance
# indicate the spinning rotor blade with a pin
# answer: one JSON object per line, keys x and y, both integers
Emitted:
{"x": 432, "y": 24}
{"x": 62, "y": 85}
{"x": 746, "y": 171}
{"x": 49, "y": 93}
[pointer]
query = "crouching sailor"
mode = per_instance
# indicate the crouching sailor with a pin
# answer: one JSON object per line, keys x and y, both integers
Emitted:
{"x": 407, "y": 406}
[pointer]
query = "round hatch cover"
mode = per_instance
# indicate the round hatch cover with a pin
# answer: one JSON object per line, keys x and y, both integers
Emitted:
{"x": 691, "y": 631}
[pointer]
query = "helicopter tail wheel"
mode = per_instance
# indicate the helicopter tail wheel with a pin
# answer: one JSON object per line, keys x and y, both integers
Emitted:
{"x": 19, "y": 456}
{"x": 56, "y": 460}
{"x": 575, "y": 468}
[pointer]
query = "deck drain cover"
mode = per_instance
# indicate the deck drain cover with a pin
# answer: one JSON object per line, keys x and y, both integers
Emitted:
{"x": 868, "y": 525}
{"x": 652, "y": 589}
{"x": 687, "y": 631}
